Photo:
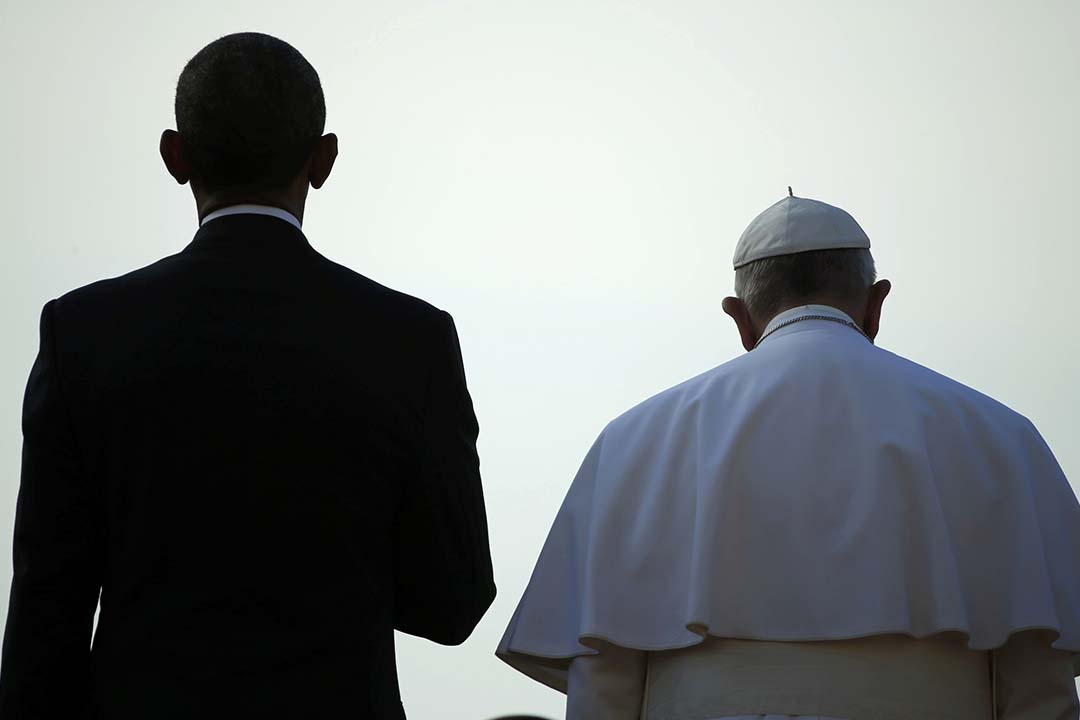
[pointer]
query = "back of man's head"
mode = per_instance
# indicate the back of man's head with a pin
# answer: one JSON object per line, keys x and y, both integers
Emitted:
{"x": 841, "y": 278}
{"x": 250, "y": 109}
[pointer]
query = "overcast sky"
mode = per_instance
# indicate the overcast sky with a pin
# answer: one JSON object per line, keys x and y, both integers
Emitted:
{"x": 568, "y": 180}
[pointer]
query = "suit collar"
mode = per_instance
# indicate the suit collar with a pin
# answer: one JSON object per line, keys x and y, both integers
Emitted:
{"x": 253, "y": 208}
{"x": 255, "y": 233}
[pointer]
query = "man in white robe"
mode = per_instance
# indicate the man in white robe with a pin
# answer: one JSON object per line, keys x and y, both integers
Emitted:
{"x": 817, "y": 528}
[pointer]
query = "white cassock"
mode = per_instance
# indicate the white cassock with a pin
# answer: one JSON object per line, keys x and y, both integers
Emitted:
{"x": 816, "y": 488}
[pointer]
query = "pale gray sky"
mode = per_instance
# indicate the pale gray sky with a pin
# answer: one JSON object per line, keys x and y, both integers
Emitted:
{"x": 568, "y": 179}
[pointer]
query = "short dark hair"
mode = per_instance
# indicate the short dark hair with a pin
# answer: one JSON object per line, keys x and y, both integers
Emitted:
{"x": 249, "y": 108}
{"x": 769, "y": 285}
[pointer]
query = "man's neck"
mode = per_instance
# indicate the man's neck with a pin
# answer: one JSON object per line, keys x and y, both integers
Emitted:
{"x": 291, "y": 200}
{"x": 822, "y": 308}
{"x": 253, "y": 209}
{"x": 211, "y": 204}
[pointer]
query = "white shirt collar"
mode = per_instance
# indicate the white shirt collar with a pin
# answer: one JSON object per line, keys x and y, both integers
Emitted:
{"x": 794, "y": 312}
{"x": 255, "y": 210}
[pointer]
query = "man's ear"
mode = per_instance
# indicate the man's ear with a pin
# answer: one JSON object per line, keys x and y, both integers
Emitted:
{"x": 736, "y": 308}
{"x": 171, "y": 148}
{"x": 322, "y": 160}
{"x": 872, "y": 317}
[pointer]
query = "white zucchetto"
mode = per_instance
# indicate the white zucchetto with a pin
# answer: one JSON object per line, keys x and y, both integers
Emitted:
{"x": 795, "y": 225}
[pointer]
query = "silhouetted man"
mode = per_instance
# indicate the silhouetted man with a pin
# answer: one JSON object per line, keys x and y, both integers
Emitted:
{"x": 264, "y": 461}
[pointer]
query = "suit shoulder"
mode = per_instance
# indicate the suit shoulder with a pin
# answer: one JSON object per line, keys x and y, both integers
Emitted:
{"x": 106, "y": 291}
{"x": 407, "y": 306}
{"x": 85, "y": 301}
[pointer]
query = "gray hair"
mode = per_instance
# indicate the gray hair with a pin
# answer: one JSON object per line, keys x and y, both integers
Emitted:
{"x": 770, "y": 285}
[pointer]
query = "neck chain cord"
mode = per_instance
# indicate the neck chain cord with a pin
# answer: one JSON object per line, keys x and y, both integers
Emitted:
{"x": 815, "y": 317}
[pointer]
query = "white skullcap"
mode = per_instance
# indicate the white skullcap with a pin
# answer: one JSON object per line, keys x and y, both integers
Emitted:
{"x": 796, "y": 225}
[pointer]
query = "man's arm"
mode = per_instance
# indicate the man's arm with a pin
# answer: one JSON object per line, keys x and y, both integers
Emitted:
{"x": 443, "y": 576}
{"x": 46, "y": 672}
{"x": 1033, "y": 681}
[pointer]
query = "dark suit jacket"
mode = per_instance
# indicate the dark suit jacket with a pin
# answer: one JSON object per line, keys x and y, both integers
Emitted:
{"x": 266, "y": 463}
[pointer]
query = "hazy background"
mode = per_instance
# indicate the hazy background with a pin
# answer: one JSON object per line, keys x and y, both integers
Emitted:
{"x": 568, "y": 179}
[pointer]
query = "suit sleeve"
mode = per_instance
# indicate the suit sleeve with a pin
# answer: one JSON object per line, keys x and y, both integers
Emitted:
{"x": 443, "y": 575}
{"x": 46, "y": 669}
{"x": 1032, "y": 680}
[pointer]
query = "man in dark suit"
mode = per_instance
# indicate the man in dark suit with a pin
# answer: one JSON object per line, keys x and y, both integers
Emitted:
{"x": 262, "y": 460}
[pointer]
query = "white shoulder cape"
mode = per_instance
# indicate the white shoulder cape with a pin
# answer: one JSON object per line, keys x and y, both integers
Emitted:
{"x": 818, "y": 487}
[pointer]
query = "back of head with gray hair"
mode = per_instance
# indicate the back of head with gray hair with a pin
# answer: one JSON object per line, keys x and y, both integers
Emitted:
{"x": 771, "y": 285}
